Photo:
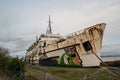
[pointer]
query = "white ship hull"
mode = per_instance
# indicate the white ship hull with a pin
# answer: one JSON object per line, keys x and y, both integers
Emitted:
{"x": 79, "y": 49}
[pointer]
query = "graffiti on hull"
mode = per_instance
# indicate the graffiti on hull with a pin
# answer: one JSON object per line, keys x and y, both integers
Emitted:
{"x": 70, "y": 57}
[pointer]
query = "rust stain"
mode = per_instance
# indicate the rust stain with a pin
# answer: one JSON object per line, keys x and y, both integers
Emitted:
{"x": 92, "y": 35}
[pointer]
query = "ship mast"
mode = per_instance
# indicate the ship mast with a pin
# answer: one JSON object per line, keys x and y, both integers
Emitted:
{"x": 49, "y": 30}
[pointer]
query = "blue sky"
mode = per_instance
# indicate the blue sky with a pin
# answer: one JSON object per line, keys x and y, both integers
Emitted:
{"x": 22, "y": 20}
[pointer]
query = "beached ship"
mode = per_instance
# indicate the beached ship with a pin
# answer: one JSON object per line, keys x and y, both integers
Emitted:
{"x": 81, "y": 48}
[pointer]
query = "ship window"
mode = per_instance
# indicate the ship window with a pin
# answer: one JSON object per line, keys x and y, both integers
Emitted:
{"x": 44, "y": 44}
{"x": 40, "y": 46}
{"x": 87, "y": 46}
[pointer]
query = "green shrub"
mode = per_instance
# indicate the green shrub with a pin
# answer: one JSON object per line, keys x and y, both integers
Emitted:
{"x": 10, "y": 66}
{"x": 16, "y": 66}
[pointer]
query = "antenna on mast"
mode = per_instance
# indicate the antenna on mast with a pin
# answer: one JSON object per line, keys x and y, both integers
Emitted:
{"x": 49, "y": 30}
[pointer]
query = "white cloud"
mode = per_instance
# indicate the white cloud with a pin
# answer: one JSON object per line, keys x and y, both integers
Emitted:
{"x": 29, "y": 18}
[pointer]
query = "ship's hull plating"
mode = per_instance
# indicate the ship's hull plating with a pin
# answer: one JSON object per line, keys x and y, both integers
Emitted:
{"x": 77, "y": 50}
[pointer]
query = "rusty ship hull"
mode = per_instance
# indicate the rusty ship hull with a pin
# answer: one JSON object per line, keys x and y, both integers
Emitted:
{"x": 79, "y": 49}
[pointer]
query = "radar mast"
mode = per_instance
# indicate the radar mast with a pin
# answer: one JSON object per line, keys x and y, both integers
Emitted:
{"x": 49, "y": 30}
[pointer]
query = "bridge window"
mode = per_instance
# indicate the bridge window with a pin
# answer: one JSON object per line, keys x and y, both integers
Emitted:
{"x": 87, "y": 46}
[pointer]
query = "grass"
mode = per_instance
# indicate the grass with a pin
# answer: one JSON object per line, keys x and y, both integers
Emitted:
{"x": 72, "y": 73}
{"x": 4, "y": 77}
